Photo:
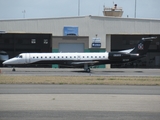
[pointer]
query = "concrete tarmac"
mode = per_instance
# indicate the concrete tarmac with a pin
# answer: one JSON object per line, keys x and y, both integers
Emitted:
{"x": 79, "y": 89}
{"x": 121, "y": 102}
{"x": 87, "y": 102}
{"x": 81, "y": 72}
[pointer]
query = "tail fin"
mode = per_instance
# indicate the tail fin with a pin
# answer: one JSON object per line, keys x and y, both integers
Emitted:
{"x": 142, "y": 47}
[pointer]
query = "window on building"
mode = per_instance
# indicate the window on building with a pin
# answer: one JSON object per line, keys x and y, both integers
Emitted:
{"x": 45, "y": 41}
{"x": 33, "y": 41}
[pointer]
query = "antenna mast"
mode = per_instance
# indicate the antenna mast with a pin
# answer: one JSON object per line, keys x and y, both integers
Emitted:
{"x": 78, "y": 7}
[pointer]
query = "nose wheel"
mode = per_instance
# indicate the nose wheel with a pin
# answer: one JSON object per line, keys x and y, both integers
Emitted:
{"x": 13, "y": 69}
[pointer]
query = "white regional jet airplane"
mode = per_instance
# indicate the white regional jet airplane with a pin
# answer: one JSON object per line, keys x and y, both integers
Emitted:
{"x": 84, "y": 60}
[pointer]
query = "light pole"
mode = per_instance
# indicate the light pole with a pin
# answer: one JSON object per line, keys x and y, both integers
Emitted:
{"x": 135, "y": 8}
{"x": 24, "y": 12}
{"x": 78, "y": 7}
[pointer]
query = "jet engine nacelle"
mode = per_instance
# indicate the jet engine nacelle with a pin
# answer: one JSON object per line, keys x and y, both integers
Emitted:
{"x": 120, "y": 56}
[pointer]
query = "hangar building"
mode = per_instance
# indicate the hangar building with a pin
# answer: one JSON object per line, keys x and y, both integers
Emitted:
{"x": 81, "y": 34}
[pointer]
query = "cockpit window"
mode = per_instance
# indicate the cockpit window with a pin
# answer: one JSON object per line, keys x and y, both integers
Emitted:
{"x": 19, "y": 56}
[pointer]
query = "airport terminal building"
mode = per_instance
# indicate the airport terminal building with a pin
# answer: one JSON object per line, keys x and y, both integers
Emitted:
{"x": 81, "y": 34}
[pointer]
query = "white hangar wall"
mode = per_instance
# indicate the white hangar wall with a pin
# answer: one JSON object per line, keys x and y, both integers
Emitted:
{"x": 90, "y": 26}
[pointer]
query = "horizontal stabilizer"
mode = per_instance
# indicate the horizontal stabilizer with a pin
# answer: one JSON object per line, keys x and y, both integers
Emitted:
{"x": 142, "y": 47}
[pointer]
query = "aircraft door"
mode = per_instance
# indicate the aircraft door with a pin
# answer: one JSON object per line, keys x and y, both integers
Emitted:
{"x": 78, "y": 57}
{"x": 27, "y": 58}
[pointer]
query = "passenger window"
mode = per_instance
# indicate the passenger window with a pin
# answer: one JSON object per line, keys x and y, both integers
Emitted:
{"x": 95, "y": 56}
{"x": 58, "y": 56}
{"x": 41, "y": 57}
{"x": 54, "y": 57}
{"x": 62, "y": 56}
{"x": 66, "y": 56}
{"x": 103, "y": 56}
{"x": 99, "y": 56}
{"x": 33, "y": 57}
{"x": 45, "y": 57}
{"x": 37, "y": 57}
{"x": 20, "y": 56}
{"x": 50, "y": 57}
{"x": 87, "y": 56}
{"x": 74, "y": 56}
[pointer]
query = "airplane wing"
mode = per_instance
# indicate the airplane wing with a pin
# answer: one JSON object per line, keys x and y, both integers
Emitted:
{"x": 85, "y": 62}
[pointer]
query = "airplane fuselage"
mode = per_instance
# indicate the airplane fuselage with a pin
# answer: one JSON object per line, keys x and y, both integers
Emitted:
{"x": 83, "y": 59}
{"x": 71, "y": 59}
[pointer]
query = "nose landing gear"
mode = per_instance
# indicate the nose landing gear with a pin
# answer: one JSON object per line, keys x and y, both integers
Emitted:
{"x": 13, "y": 69}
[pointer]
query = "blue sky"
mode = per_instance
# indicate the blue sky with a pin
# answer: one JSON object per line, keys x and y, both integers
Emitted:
{"x": 12, "y": 9}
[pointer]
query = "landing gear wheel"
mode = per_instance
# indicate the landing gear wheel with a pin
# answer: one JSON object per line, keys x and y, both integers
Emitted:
{"x": 13, "y": 69}
{"x": 88, "y": 70}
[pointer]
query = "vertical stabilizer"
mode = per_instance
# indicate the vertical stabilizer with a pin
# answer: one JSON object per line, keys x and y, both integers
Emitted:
{"x": 142, "y": 47}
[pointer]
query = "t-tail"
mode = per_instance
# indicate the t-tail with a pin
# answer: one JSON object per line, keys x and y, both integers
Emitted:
{"x": 137, "y": 52}
{"x": 142, "y": 47}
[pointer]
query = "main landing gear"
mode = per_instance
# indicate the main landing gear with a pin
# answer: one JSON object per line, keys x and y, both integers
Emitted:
{"x": 86, "y": 68}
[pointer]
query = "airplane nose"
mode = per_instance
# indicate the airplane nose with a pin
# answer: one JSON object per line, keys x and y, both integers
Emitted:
{"x": 8, "y": 62}
{"x": 11, "y": 61}
{"x": 5, "y": 62}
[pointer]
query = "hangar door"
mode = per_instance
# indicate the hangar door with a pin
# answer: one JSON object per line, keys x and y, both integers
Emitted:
{"x": 122, "y": 42}
{"x": 71, "y": 47}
